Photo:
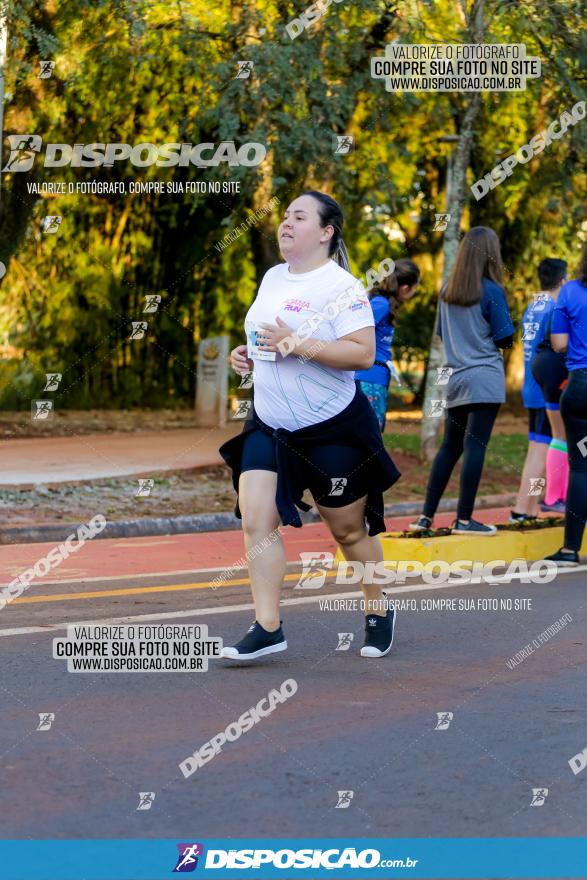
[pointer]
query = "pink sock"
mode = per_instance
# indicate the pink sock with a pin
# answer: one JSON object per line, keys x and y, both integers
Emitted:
{"x": 566, "y": 486}
{"x": 557, "y": 472}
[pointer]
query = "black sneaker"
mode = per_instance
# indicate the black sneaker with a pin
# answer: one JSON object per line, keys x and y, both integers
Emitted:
{"x": 257, "y": 642}
{"x": 522, "y": 519}
{"x": 564, "y": 558}
{"x": 477, "y": 529}
{"x": 378, "y": 634}
{"x": 422, "y": 524}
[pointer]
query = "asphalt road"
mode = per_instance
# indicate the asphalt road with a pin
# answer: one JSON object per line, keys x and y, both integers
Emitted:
{"x": 364, "y": 726}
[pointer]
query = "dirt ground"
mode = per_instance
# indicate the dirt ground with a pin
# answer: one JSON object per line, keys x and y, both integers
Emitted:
{"x": 94, "y": 421}
{"x": 64, "y": 423}
{"x": 187, "y": 492}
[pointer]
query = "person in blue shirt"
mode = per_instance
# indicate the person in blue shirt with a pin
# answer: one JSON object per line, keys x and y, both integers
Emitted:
{"x": 569, "y": 334}
{"x": 386, "y": 298}
{"x": 546, "y": 438}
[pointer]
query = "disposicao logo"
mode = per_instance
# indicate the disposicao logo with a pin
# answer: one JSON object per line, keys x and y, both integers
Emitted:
{"x": 187, "y": 859}
{"x": 25, "y": 147}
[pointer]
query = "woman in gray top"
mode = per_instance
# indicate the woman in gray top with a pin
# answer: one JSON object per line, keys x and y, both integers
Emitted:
{"x": 474, "y": 323}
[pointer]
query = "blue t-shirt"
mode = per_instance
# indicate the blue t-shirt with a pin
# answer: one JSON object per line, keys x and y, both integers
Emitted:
{"x": 534, "y": 325}
{"x": 570, "y": 316}
{"x": 383, "y": 338}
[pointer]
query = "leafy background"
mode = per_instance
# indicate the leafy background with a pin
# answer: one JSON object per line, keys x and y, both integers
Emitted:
{"x": 162, "y": 72}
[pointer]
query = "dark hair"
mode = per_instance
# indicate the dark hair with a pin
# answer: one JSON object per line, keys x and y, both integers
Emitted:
{"x": 478, "y": 257}
{"x": 582, "y": 273}
{"x": 330, "y": 214}
{"x": 551, "y": 272}
{"x": 405, "y": 272}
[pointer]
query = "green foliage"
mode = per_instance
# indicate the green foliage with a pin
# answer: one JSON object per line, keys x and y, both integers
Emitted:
{"x": 156, "y": 72}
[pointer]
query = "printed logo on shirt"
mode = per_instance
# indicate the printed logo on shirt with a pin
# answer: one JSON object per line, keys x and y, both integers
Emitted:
{"x": 358, "y": 305}
{"x": 296, "y": 305}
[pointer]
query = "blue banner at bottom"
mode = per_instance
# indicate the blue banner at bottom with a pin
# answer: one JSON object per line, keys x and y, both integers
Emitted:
{"x": 282, "y": 859}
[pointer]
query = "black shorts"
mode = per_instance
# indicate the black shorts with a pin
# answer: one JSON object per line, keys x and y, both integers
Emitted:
{"x": 335, "y": 475}
{"x": 550, "y": 371}
{"x": 539, "y": 429}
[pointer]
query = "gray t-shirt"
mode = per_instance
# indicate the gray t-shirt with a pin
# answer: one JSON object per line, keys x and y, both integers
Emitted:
{"x": 469, "y": 335}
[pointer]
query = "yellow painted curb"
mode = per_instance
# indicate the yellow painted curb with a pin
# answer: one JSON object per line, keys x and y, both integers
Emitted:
{"x": 507, "y": 545}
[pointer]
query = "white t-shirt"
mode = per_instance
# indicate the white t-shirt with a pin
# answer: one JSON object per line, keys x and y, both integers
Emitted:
{"x": 289, "y": 392}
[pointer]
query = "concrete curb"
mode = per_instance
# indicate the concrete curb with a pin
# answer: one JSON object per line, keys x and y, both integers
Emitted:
{"x": 506, "y": 545}
{"x": 204, "y": 522}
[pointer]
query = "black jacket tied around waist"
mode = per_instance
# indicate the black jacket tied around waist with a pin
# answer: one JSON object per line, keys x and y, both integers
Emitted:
{"x": 356, "y": 426}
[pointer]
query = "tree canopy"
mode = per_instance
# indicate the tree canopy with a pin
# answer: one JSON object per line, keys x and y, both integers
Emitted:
{"x": 159, "y": 73}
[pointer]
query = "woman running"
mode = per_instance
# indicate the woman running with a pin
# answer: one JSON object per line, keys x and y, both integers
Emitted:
{"x": 386, "y": 297}
{"x": 474, "y": 324}
{"x": 308, "y": 330}
{"x": 569, "y": 334}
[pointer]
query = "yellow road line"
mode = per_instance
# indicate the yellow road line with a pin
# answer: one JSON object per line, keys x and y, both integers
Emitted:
{"x": 134, "y": 591}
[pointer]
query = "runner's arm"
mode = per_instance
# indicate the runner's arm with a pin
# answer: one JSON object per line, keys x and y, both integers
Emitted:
{"x": 355, "y": 351}
{"x": 559, "y": 341}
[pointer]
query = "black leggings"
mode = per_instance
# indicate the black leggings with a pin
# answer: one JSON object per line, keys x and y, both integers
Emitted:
{"x": 574, "y": 414}
{"x": 467, "y": 428}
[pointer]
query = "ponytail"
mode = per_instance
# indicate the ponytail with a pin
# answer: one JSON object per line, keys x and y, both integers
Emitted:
{"x": 341, "y": 256}
{"x": 405, "y": 272}
{"x": 330, "y": 214}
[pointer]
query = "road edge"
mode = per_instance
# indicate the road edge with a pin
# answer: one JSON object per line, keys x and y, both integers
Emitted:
{"x": 205, "y": 522}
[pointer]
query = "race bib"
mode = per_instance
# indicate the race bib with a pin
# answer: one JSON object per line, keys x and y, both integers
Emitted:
{"x": 253, "y": 349}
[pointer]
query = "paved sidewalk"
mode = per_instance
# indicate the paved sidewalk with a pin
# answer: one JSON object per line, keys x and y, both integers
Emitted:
{"x": 26, "y": 462}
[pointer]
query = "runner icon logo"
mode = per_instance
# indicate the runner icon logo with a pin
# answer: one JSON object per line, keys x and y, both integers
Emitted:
{"x": 41, "y": 409}
{"x": 146, "y": 799}
{"x": 53, "y": 380}
{"x": 242, "y": 409}
{"x": 51, "y": 223}
{"x": 443, "y": 374}
{"x": 315, "y": 566}
{"x": 46, "y": 69}
{"x": 144, "y": 489}
{"x": 540, "y": 301}
{"x": 188, "y": 857}
{"x": 529, "y": 331}
{"x": 139, "y": 328}
{"x": 344, "y": 144}
{"x": 344, "y": 799}
{"x": 338, "y": 484}
{"x": 539, "y": 795}
{"x": 23, "y": 150}
{"x": 46, "y": 719}
{"x": 152, "y": 301}
{"x": 537, "y": 484}
{"x": 244, "y": 69}
{"x": 344, "y": 641}
{"x": 436, "y": 408}
{"x": 444, "y": 719}
{"x": 441, "y": 222}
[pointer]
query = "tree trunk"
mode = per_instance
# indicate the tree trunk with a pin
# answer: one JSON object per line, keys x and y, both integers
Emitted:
{"x": 455, "y": 204}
